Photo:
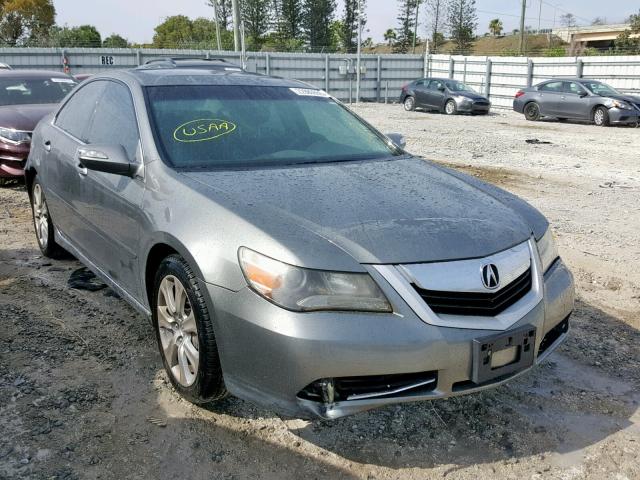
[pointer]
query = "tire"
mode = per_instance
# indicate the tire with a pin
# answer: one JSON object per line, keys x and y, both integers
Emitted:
{"x": 562, "y": 119}
{"x": 450, "y": 108}
{"x": 601, "y": 117}
{"x": 184, "y": 332}
{"x": 532, "y": 111}
{"x": 409, "y": 104}
{"x": 43, "y": 224}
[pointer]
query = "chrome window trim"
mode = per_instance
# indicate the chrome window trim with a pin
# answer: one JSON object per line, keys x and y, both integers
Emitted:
{"x": 402, "y": 285}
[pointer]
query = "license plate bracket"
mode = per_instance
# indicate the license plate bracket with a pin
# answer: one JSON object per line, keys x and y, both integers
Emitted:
{"x": 522, "y": 341}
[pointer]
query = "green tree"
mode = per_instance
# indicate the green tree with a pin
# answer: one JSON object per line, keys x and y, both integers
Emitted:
{"x": 318, "y": 15}
{"x": 495, "y": 27}
{"x": 435, "y": 14}
{"x": 174, "y": 32}
{"x": 86, "y": 36}
{"x": 25, "y": 21}
{"x": 350, "y": 23}
{"x": 256, "y": 18}
{"x": 406, "y": 25}
{"x": 629, "y": 41}
{"x": 224, "y": 12}
{"x": 290, "y": 19}
{"x": 390, "y": 36}
{"x": 462, "y": 21}
{"x": 115, "y": 41}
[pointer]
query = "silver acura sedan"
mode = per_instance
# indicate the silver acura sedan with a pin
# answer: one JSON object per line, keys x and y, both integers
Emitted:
{"x": 286, "y": 251}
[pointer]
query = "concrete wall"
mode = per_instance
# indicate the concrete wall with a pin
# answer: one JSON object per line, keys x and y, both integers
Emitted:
{"x": 383, "y": 75}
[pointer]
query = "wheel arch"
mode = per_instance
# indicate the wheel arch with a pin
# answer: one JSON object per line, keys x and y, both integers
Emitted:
{"x": 164, "y": 246}
{"x": 29, "y": 176}
{"x": 595, "y": 107}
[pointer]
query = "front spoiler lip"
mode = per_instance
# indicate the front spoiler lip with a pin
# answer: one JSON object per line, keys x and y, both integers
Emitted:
{"x": 341, "y": 409}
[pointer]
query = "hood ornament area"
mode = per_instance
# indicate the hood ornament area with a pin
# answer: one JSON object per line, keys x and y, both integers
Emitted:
{"x": 490, "y": 276}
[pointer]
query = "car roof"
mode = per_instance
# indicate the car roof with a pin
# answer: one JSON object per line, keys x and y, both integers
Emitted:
{"x": 32, "y": 74}
{"x": 190, "y": 62}
{"x": 199, "y": 76}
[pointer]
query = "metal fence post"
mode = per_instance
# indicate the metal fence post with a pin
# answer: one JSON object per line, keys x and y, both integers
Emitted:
{"x": 487, "y": 87}
{"x": 529, "y": 72}
{"x": 464, "y": 74}
{"x": 326, "y": 73}
{"x": 452, "y": 67}
{"x": 386, "y": 91}
{"x": 579, "y": 68}
{"x": 267, "y": 64}
{"x": 139, "y": 57}
{"x": 379, "y": 78}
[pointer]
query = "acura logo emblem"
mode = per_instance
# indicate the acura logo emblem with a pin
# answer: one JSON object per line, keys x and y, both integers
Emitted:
{"x": 490, "y": 278}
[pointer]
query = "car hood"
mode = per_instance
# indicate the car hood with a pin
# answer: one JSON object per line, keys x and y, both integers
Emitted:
{"x": 471, "y": 95}
{"x": 23, "y": 117}
{"x": 398, "y": 211}
{"x": 626, "y": 98}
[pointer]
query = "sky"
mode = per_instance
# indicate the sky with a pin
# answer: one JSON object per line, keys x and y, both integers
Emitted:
{"x": 136, "y": 19}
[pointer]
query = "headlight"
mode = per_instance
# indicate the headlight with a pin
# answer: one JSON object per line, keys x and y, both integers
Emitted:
{"x": 547, "y": 249}
{"x": 303, "y": 289}
{"x": 619, "y": 104}
{"x": 14, "y": 136}
{"x": 462, "y": 99}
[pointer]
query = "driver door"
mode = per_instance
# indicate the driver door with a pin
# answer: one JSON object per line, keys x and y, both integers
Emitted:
{"x": 436, "y": 94}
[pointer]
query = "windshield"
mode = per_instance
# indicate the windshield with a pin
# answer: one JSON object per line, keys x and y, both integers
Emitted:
{"x": 600, "y": 88}
{"x": 213, "y": 126}
{"x": 459, "y": 87}
{"x": 20, "y": 91}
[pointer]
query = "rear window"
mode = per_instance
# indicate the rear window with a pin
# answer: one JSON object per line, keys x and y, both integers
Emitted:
{"x": 238, "y": 126}
{"x": 16, "y": 91}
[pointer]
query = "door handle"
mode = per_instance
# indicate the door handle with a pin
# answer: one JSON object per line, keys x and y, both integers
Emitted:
{"x": 47, "y": 145}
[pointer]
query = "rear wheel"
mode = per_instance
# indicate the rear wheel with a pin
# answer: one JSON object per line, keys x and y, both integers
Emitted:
{"x": 601, "y": 117}
{"x": 184, "y": 330}
{"x": 450, "y": 108}
{"x": 409, "y": 104}
{"x": 532, "y": 111}
{"x": 42, "y": 223}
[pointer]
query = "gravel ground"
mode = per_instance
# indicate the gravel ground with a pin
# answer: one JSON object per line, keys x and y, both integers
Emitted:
{"x": 83, "y": 394}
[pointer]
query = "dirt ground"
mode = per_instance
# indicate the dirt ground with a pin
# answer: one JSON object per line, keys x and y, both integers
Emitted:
{"x": 83, "y": 393}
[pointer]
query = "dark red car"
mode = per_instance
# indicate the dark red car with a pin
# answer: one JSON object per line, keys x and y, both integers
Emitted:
{"x": 25, "y": 97}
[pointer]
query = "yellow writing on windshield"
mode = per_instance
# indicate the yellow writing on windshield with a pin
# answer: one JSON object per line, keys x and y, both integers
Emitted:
{"x": 202, "y": 130}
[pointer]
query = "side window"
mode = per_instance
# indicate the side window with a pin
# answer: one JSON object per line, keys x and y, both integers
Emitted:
{"x": 420, "y": 83}
{"x": 553, "y": 87}
{"x": 435, "y": 85}
{"x": 573, "y": 87}
{"x": 74, "y": 115}
{"x": 115, "y": 120}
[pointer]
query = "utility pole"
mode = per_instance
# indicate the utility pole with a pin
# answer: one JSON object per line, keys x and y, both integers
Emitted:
{"x": 358, "y": 53}
{"x": 524, "y": 12}
{"x": 539, "y": 16}
{"x": 235, "y": 7}
{"x": 217, "y": 20}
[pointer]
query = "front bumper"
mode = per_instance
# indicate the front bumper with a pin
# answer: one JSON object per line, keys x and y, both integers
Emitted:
{"x": 619, "y": 116}
{"x": 269, "y": 354}
{"x": 473, "y": 106}
{"x": 13, "y": 159}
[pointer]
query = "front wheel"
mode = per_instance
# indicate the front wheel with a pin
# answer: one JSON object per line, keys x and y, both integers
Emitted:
{"x": 409, "y": 104}
{"x": 601, "y": 117}
{"x": 184, "y": 331}
{"x": 532, "y": 112}
{"x": 450, "y": 108}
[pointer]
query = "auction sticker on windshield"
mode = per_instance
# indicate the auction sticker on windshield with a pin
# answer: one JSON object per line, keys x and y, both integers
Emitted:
{"x": 202, "y": 130}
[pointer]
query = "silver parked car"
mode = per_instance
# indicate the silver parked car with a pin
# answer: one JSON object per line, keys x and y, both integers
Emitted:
{"x": 286, "y": 251}
{"x": 578, "y": 99}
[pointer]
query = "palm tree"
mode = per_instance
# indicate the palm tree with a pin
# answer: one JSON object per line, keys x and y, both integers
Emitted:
{"x": 390, "y": 36}
{"x": 495, "y": 27}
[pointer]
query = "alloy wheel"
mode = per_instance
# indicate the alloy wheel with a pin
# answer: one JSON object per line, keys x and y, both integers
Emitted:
{"x": 178, "y": 331}
{"x": 40, "y": 216}
{"x": 598, "y": 117}
{"x": 450, "y": 108}
{"x": 408, "y": 104}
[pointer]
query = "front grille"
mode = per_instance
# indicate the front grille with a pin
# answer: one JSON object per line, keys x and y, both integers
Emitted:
{"x": 481, "y": 103}
{"x": 477, "y": 303}
{"x": 372, "y": 386}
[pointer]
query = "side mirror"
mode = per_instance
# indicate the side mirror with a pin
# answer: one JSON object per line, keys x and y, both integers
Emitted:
{"x": 398, "y": 139}
{"x": 583, "y": 94}
{"x": 441, "y": 88}
{"x": 106, "y": 158}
